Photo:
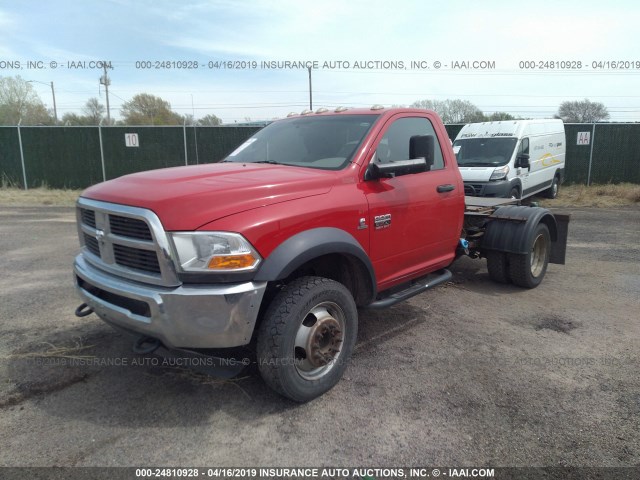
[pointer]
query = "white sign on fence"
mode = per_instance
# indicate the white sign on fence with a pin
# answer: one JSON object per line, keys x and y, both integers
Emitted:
{"x": 584, "y": 138}
{"x": 131, "y": 140}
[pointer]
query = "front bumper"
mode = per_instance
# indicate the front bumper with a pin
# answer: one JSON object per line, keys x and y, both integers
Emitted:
{"x": 188, "y": 316}
{"x": 498, "y": 189}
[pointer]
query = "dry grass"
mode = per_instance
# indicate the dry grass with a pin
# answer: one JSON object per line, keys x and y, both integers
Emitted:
{"x": 55, "y": 352}
{"x": 38, "y": 196}
{"x": 608, "y": 195}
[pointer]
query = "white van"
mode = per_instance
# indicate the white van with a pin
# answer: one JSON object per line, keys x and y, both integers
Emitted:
{"x": 512, "y": 159}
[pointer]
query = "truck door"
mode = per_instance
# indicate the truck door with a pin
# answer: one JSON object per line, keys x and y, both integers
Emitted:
{"x": 413, "y": 226}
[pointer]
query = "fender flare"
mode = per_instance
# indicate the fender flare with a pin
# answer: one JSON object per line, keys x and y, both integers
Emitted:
{"x": 510, "y": 228}
{"x": 308, "y": 245}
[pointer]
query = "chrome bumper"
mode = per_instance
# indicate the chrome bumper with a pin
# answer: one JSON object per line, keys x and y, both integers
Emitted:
{"x": 189, "y": 316}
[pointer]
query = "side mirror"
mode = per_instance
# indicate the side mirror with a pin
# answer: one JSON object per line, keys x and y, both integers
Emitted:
{"x": 522, "y": 161}
{"x": 393, "y": 169}
{"x": 422, "y": 146}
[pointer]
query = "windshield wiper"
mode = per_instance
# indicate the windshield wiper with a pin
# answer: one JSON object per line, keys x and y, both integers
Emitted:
{"x": 272, "y": 162}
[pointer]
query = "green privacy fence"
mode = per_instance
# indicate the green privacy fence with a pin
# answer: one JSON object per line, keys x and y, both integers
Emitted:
{"x": 76, "y": 157}
{"x": 611, "y": 154}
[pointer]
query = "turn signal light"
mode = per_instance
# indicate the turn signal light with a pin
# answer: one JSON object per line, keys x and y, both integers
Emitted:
{"x": 232, "y": 262}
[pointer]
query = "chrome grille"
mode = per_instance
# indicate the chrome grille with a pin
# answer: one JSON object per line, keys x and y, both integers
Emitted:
{"x": 125, "y": 241}
{"x": 92, "y": 244}
{"x": 144, "y": 260}
{"x": 88, "y": 217}
{"x": 129, "y": 227}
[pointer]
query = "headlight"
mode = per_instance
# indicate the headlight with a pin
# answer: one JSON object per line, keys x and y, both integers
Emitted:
{"x": 214, "y": 252}
{"x": 500, "y": 173}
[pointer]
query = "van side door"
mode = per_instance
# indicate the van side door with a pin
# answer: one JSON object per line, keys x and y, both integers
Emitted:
{"x": 523, "y": 173}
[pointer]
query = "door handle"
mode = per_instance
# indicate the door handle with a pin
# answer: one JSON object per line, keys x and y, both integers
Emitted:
{"x": 445, "y": 188}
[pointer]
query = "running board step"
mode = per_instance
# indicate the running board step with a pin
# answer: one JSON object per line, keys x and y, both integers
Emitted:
{"x": 420, "y": 286}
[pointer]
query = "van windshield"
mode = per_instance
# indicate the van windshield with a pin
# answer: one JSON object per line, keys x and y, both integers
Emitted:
{"x": 484, "y": 152}
{"x": 323, "y": 142}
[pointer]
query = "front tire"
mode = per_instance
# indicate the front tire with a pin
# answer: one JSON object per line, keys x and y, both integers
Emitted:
{"x": 306, "y": 338}
{"x": 552, "y": 191}
{"x": 514, "y": 193}
{"x": 529, "y": 269}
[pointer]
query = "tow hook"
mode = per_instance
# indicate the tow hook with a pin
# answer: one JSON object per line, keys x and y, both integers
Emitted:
{"x": 145, "y": 345}
{"x": 83, "y": 310}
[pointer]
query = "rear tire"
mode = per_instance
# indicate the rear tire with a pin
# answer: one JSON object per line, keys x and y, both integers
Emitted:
{"x": 498, "y": 267}
{"x": 306, "y": 338}
{"x": 552, "y": 191}
{"x": 529, "y": 269}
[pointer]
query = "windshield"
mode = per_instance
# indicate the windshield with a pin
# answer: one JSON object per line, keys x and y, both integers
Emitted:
{"x": 324, "y": 142}
{"x": 484, "y": 152}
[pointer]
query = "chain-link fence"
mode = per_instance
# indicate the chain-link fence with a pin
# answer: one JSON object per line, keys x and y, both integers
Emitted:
{"x": 76, "y": 157}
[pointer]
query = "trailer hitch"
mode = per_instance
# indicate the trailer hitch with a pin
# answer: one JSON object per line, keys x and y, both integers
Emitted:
{"x": 152, "y": 344}
{"x": 83, "y": 310}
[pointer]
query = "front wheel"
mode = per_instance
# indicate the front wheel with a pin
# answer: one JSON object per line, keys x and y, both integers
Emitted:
{"x": 527, "y": 270}
{"x": 306, "y": 338}
{"x": 552, "y": 191}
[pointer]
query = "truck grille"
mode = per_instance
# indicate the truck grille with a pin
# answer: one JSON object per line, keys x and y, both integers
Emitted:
{"x": 126, "y": 241}
{"x": 92, "y": 244}
{"x": 130, "y": 227}
{"x": 144, "y": 260}
{"x": 88, "y": 217}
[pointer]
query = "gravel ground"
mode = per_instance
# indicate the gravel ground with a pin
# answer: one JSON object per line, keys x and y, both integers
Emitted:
{"x": 472, "y": 373}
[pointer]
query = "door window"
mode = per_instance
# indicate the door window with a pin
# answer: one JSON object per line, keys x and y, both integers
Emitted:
{"x": 394, "y": 146}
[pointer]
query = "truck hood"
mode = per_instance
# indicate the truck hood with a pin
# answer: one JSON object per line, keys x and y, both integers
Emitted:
{"x": 476, "y": 174}
{"x": 185, "y": 198}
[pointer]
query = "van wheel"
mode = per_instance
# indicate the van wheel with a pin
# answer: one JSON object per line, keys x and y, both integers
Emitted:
{"x": 514, "y": 193}
{"x": 498, "y": 267}
{"x": 552, "y": 191}
{"x": 306, "y": 338}
{"x": 528, "y": 270}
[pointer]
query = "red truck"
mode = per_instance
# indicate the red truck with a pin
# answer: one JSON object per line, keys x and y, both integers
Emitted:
{"x": 277, "y": 246}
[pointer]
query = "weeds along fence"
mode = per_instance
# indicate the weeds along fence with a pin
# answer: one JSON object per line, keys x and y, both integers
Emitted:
{"x": 76, "y": 157}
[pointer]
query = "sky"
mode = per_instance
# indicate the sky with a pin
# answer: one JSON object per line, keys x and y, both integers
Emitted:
{"x": 520, "y": 58}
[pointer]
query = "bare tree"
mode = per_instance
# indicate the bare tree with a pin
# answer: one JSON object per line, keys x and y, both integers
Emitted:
{"x": 209, "y": 121}
{"x": 20, "y": 102}
{"x": 94, "y": 111}
{"x": 146, "y": 109}
{"x": 452, "y": 111}
{"x": 582, "y": 111}
{"x": 500, "y": 116}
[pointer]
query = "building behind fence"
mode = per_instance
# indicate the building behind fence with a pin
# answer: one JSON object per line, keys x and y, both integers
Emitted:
{"x": 76, "y": 157}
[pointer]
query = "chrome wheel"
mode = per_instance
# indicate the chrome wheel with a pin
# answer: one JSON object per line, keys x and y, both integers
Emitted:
{"x": 538, "y": 255}
{"x": 319, "y": 340}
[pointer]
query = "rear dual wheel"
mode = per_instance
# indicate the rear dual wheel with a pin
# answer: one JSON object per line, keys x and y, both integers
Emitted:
{"x": 525, "y": 270}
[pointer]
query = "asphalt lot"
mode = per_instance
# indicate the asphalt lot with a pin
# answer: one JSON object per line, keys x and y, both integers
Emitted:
{"x": 470, "y": 374}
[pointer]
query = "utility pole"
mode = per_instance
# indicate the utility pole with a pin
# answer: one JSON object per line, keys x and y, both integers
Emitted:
{"x": 310, "y": 91}
{"x": 55, "y": 110}
{"x": 104, "y": 80}
{"x": 53, "y": 94}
